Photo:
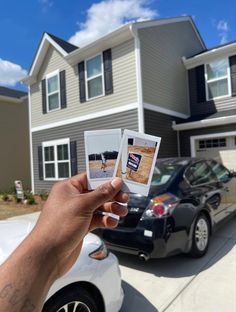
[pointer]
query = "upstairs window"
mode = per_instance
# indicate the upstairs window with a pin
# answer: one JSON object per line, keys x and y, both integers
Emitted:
{"x": 94, "y": 77}
{"x": 56, "y": 159}
{"x": 217, "y": 79}
{"x": 53, "y": 91}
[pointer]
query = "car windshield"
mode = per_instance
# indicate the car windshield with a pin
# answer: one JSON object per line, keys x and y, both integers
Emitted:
{"x": 163, "y": 172}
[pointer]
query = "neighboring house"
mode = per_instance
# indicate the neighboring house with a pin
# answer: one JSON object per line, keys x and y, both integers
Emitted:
{"x": 211, "y": 129}
{"x": 14, "y": 139}
{"x": 132, "y": 78}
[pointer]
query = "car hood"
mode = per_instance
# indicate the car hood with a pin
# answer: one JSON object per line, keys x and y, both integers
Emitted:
{"x": 13, "y": 231}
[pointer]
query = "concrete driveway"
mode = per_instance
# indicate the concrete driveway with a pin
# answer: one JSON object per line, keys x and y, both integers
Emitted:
{"x": 182, "y": 284}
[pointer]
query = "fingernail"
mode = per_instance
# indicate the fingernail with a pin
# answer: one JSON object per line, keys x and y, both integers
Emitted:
{"x": 116, "y": 182}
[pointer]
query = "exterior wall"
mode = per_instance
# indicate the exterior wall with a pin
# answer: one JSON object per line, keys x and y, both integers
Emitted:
{"x": 161, "y": 125}
{"x": 185, "y": 147}
{"x": 164, "y": 76}
{"x": 14, "y": 138}
{"x": 207, "y": 107}
{"x": 75, "y": 131}
{"x": 124, "y": 84}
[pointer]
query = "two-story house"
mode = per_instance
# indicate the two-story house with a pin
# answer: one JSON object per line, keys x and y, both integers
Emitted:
{"x": 14, "y": 139}
{"x": 211, "y": 129}
{"x": 132, "y": 78}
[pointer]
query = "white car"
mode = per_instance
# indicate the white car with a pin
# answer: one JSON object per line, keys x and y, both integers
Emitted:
{"x": 93, "y": 284}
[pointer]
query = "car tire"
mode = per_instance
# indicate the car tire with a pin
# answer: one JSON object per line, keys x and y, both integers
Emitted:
{"x": 72, "y": 299}
{"x": 201, "y": 237}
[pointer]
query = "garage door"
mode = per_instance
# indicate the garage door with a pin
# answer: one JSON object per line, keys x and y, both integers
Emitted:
{"x": 222, "y": 149}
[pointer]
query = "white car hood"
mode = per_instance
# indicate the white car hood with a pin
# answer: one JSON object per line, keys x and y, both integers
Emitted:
{"x": 13, "y": 231}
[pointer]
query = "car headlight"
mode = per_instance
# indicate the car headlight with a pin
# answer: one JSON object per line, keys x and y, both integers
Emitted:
{"x": 100, "y": 253}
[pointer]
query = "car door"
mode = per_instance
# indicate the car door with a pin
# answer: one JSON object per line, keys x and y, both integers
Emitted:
{"x": 229, "y": 185}
{"x": 206, "y": 186}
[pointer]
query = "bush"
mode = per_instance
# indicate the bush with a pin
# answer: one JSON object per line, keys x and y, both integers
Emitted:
{"x": 5, "y": 197}
{"x": 29, "y": 197}
{"x": 43, "y": 195}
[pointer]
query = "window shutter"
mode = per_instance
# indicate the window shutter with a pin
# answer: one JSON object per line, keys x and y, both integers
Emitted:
{"x": 200, "y": 84}
{"x": 232, "y": 63}
{"x": 107, "y": 64}
{"x": 44, "y": 100}
{"x": 73, "y": 158}
{"x": 40, "y": 162}
{"x": 81, "y": 82}
{"x": 63, "y": 88}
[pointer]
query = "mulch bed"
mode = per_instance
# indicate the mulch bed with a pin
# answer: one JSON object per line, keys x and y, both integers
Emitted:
{"x": 11, "y": 209}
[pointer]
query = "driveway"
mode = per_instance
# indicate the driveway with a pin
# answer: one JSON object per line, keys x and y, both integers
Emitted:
{"x": 183, "y": 284}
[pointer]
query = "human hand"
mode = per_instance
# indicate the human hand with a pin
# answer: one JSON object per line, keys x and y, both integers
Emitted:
{"x": 69, "y": 214}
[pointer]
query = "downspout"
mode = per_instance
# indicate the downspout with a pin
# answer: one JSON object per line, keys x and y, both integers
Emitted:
{"x": 31, "y": 146}
{"x": 178, "y": 139}
{"x": 134, "y": 32}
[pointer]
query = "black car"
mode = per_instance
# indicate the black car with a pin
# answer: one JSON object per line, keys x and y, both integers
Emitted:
{"x": 188, "y": 198}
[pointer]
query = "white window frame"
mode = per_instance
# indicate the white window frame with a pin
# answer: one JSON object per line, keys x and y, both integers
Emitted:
{"x": 96, "y": 76}
{"x": 55, "y": 143}
{"x": 48, "y": 76}
{"x": 218, "y": 79}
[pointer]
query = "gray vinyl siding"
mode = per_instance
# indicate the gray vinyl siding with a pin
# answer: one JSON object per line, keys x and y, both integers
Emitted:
{"x": 207, "y": 107}
{"x": 164, "y": 77}
{"x": 15, "y": 150}
{"x": 75, "y": 132}
{"x": 185, "y": 147}
{"x": 161, "y": 125}
{"x": 124, "y": 84}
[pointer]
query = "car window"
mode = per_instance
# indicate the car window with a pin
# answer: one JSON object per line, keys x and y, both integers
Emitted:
{"x": 163, "y": 172}
{"x": 220, "y": 171}
{"x": 200, "y": 173}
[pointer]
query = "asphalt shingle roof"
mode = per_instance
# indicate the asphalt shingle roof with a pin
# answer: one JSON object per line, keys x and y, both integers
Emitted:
{"x": 17, "y": 94}
{"x": 225, "y": 113}
{"x": 65, "y": 45}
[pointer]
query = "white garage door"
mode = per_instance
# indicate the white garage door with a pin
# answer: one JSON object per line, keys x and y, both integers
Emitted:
{"x": 221, "y": 148}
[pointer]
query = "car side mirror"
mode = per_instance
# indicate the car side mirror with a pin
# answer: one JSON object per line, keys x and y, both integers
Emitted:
{"x": 232, "y": 174}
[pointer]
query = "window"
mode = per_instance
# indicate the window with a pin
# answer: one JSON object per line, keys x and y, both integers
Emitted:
{"x": 56, "y": 159}
{"x": 220, "y": 171}
{"x": 53, "y": 91}
{"x": 217, "y": 79}
{"x": 210, "y": 143}
{"x": 94, "y": 77}
{"x": 200, "y": 173}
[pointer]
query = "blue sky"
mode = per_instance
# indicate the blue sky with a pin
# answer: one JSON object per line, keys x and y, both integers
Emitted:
{"x": 22, "y": 24}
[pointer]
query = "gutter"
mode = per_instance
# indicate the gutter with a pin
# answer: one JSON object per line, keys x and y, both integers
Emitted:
{"x": 134, "y": 32}
{"x": 10, "y": 99}
{"x": 205, "y": 123}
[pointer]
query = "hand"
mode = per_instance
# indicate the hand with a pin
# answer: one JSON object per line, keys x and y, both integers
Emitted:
{"x": 69, "y": 214}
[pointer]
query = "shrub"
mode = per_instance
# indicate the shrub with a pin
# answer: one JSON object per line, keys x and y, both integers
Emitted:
{"x": 5, "y": 197}
{"x": 43, "y": 195}
{"x": 29, "y": 197}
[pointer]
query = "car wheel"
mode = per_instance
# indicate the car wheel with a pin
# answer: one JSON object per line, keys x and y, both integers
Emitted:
{"x": 75, "y": 299}
{"x": 201, "y": 235}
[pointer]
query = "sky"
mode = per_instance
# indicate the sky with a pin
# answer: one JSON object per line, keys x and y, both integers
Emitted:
{"x": 103, "y": 143}
{"x": 22, "y": 24}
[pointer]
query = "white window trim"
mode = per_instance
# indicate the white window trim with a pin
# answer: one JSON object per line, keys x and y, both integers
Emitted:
{"x": 218, "y": 79}
{"x": 48, "y": 76}
{"x": 55, "y": 143}
{"x": 87, "y": 79}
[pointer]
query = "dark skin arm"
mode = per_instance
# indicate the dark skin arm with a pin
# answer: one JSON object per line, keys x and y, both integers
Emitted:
{"x": 53, "y": 246}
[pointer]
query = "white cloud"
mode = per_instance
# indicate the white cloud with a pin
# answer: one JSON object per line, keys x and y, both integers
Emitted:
{"x": 46, "y": 4}
{"x": 107, "y": 15}
{"x": 10, "y": 73}
{"x": 223, "y": 30}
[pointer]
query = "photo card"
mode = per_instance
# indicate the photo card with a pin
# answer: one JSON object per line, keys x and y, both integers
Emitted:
{"x": 136, "y": 161}
{"x": 101, "y": 152}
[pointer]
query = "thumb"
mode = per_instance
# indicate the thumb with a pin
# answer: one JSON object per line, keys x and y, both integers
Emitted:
{"x": 103, "y": 193}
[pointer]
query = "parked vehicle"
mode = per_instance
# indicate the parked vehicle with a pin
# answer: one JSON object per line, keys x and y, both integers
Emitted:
{"x": 93, "y": 284}
{"x": 188, "y": 199}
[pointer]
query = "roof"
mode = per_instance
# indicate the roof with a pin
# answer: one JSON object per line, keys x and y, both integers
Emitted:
{"x": 207, "y": 120}
{"x": 16, "y": 94}
{"x": 220, "y": 114}
{"x": 65, "y": 45}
